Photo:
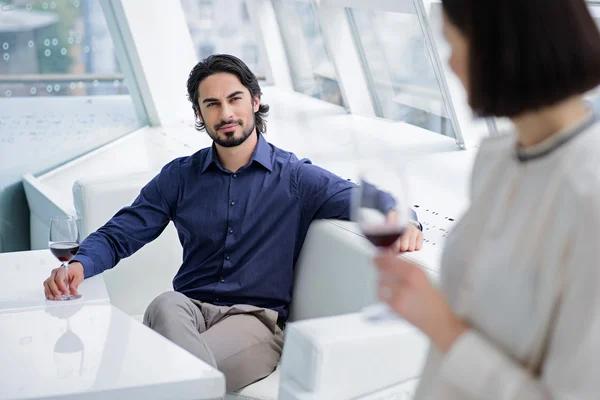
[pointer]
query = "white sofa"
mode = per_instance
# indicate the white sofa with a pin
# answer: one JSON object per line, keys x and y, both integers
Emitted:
{"x": 333, "y": 277}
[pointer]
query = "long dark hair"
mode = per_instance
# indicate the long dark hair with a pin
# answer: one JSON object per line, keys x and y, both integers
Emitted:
{"x": 231, "y": 65}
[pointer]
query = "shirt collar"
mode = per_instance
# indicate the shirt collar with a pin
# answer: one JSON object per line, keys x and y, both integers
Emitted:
{"x": 555, "y": 141}
{"x": 261, "y": 154}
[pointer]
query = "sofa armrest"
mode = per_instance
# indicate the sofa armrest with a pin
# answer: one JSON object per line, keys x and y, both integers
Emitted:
{"x": 346, "y": 356}
{"x": 334, "y": 273}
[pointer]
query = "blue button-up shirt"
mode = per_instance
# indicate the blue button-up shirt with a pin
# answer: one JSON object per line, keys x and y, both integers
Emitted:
{"x": 241, "y": 231}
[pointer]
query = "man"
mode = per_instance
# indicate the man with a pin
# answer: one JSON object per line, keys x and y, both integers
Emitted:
{"x": 242, "y": 209}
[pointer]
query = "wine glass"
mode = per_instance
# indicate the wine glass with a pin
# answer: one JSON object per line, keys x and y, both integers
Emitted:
{"x": 382, "y": 211}
{"x": 64, "y": 245}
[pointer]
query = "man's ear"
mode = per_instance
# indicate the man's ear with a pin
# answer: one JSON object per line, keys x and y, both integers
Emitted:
{"x": 198, "y": 115}
{"x": 256, "y": 103}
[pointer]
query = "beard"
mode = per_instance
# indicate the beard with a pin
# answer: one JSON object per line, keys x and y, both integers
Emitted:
{"x": 230, "y": 140}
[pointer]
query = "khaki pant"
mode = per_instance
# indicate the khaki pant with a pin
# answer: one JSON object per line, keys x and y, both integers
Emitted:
{"x": 242, "y": 341}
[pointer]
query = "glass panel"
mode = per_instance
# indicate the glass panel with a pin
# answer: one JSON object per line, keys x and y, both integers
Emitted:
{"x": 57, "y": 48}
{"x": 62, "y": 94}
{"x": 312, "y": 71}
{"x": 223, "y": 26}
{"x": 400, "y": 70}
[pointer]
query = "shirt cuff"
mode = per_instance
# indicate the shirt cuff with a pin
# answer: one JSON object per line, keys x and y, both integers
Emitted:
{"x": 88, "y": 265}
{"x": 479, "y": 369}
{"x": 417, "y": 224}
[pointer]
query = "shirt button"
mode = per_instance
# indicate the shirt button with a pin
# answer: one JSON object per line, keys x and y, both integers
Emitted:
{"x": 216, "y": 298}
{"x": 235, "y": 175}
{"x": 222, "y": 280}
{"x": 232, "y": 203}
{"x": 227, "y": 257}
{"x": 230, "y": 231}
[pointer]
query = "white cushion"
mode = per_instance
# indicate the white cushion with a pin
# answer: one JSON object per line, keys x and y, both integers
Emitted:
{"x": 136, "y": 280}
{"x": 334, "y": 273}
{"x": 347, "y": 357}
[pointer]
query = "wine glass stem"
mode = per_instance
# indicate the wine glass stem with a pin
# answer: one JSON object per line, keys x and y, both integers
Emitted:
{"x": 66, "y": 267}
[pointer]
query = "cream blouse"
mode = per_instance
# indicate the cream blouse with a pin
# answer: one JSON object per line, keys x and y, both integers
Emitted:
{"x": 527, "y": 249}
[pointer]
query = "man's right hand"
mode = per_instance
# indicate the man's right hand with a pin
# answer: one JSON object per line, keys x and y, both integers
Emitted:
{"x": 55, "y": 286}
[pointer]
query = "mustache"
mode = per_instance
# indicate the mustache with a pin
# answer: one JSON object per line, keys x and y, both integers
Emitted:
{"x": 231, "y": 121}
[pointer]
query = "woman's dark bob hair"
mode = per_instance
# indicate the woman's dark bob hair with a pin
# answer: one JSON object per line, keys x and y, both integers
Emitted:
{"x": 526, "y": 54}
{"x": 232, "y": 65}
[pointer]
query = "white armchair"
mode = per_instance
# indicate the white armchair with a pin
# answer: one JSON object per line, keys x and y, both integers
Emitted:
{"x": 333, "y": 277}
{"x": 136, "y": 280}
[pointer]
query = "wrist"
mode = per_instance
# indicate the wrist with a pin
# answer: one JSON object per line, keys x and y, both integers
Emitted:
{"x": 76, "y": 266}
{"x": 449, "y": 333}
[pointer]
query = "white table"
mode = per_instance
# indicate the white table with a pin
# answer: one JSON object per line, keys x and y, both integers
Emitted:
{"x": 86, "y": 348}
{"x": 93, "y": 351}
{"x": 23, "y": 274}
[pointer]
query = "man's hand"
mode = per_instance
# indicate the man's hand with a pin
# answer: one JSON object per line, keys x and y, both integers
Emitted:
{"x": 56, "y": 285}
{"x": 412, "y": 240}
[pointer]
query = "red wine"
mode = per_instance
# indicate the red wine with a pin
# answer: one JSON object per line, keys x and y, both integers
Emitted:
{"x": 383, "y": 237}
{"x": 64, "y": 251}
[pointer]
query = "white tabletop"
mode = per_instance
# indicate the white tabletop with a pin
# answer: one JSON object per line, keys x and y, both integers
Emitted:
{"x": 23, "y": 274}
{"x": 95, "y": 351}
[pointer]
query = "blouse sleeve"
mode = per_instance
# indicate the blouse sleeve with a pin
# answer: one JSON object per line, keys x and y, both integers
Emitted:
{"x": 571, "y": 367}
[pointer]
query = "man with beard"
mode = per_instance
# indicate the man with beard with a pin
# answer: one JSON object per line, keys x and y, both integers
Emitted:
{"x": 242, "y": 208}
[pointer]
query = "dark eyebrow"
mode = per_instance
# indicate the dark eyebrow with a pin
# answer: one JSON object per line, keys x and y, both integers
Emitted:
{"x": 213, "y": 100}
{"x": 235, "y": 94}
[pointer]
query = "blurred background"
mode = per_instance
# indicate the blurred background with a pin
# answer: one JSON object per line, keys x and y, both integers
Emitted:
{"x": 66, "y": 89}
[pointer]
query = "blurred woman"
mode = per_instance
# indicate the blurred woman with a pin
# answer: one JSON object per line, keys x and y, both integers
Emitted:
{"x": 518, "y": 312}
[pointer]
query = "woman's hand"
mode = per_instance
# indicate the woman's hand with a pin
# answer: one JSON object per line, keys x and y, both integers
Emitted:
{"x": 407, "y": 290}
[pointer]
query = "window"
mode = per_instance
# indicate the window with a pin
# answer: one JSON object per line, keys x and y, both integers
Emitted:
{"x": 62, "y": 94}
{"x": 206, "y": 50}
{"x": 400, "y": 70}
{"x": 312, "y": 71}
{"x": 250, "y": 52}
{"x": 223, "y": 26}
{"x": 57, "y": 48}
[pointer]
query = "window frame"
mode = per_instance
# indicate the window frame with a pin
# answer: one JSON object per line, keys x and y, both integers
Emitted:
{"x": 120, "y": 40}
{"x": 329, "y": 49}
{"x": 270, "y": 43}
{"x": 347, "y": 60}
{"x": 131, "y": 28}
{"x": 468, "y": 132}
{"x": 132, "y": 25}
